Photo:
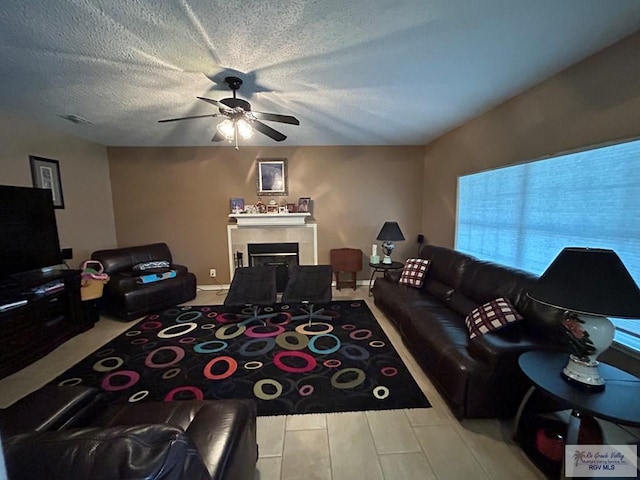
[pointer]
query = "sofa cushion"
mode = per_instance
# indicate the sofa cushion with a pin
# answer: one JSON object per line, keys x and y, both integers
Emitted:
{"x": 461, "y": 304}
{"x": 438, "y": 289}
{"x": 446, "y": 265}
{"x": 148, "y": 277}
{"x": 128, "y": 280}
{"x": 414, "y": 272}
{"x": 491, "y": 316}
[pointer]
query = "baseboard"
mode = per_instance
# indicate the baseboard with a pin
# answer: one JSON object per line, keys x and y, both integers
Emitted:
{"x": 213, "y": 288}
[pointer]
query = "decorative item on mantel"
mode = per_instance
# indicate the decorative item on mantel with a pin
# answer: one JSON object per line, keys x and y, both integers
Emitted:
{"x": 237, "y": 205}
{"x": 304, "y": 204}
{"x": 272, "y": 206}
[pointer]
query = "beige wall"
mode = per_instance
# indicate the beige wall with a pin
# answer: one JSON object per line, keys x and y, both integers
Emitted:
{"x": 86, "y": 223}
{"x": 595, "y": 101}
{"x": 181, "y": 196}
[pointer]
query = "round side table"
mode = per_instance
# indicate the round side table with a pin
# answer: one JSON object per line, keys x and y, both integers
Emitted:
{"x": 617, "y": 403}
{"x": 384, "y": 268}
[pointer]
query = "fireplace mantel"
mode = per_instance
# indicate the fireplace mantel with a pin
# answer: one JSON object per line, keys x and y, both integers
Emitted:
{"x": 269, "y": 219}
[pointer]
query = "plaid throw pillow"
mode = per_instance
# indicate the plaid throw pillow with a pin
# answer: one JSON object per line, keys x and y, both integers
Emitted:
{"x": 414, "y": 272}
{"x": 491, "y": 316}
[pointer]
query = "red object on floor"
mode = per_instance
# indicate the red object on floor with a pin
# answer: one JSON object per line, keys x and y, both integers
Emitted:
{"x": 550, "y": 444}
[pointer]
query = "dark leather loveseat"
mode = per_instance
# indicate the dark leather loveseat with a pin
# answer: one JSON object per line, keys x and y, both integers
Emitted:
{"x": 165, "y": 284}
{"x": 477, "y": 377}
{"x": 66, "y": 433}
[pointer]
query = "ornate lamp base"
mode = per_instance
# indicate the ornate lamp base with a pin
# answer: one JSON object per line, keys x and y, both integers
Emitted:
{"x": 583, "y": 372}
{"x": 597, "y": 333}
{"x": 387, "y": 248}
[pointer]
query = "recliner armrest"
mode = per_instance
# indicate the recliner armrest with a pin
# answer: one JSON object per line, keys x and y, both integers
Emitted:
{"x": 49, "y": 408}
{"x": 143, "y": 451}
{"x": 496, "y": 348}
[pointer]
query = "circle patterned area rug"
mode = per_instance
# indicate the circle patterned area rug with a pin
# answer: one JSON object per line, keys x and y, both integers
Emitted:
{"x": 288, "y": 367}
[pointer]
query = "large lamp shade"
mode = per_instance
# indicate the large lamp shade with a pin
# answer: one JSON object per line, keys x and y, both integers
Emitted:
{"x": 590, "y": 284}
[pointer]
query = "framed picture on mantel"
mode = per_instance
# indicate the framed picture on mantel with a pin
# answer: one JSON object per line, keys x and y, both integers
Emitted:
{"x": 237, "y": 205}
{"x": 304, "y": 204}
{"x": 271, "y": 176}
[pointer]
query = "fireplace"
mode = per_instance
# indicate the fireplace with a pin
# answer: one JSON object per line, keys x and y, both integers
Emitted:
{"x": 280, "y": 255}
{"x": 272, "y": 229}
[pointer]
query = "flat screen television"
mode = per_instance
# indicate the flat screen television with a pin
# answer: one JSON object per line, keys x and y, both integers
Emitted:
{"x": 28, "y": 231}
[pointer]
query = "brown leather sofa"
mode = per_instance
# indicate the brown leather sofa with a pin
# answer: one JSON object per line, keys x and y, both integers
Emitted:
{"x": 126, "y": 297}
{"x": 477, "y": 377}
{"x": 67, "y": 433}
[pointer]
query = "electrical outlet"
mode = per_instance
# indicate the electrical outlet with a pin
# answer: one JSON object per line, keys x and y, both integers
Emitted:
{"x": 212, "y": 272}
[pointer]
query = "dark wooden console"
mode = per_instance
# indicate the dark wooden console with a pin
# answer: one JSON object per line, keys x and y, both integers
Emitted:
{"x": 38, "y": 313}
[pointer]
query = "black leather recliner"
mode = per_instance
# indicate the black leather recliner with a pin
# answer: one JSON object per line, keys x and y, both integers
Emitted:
{"x": 67, "y": 433}
{"x": 127, "y": 297}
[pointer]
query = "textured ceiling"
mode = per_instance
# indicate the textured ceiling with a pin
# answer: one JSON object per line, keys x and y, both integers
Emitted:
{"x": 357, "y": 72}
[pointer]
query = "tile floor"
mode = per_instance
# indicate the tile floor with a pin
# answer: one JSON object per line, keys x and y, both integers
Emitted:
{"x": 425, "y": 444}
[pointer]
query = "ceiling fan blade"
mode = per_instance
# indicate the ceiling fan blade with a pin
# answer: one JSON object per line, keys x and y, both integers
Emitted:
{"x": 268, "y": 131}
{"x": 273, "y": 117}
{"x": 218, "y": 137}
{"x": 208, "y": 100}
{"x": 188, "y": 118}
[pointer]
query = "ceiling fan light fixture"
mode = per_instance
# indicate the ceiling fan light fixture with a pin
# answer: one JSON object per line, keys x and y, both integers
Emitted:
{"x": 240, "y": 121}
{"x": 226, "y": 129}
{"x": 244, "y": 129}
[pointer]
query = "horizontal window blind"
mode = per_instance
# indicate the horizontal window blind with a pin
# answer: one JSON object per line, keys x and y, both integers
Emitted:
{"x": 524, "y": 215}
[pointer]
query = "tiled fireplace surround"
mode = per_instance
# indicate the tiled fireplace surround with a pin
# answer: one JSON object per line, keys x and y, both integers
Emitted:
{"x": 305, "y": 235}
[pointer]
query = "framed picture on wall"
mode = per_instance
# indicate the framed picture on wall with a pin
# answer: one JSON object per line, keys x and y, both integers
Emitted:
{"x": 45, "y": 173}
{"x": 271, "y": 176}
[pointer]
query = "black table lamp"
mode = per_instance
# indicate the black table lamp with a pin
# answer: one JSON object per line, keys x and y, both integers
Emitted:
{"x": 389, "y": 233}
{"x": 590, "y": 284}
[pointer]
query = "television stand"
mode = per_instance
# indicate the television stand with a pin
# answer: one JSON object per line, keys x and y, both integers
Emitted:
{"x": 36, "y": 318}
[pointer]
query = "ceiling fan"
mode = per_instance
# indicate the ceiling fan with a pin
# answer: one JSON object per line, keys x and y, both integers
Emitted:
{"x": 239, "y": 119}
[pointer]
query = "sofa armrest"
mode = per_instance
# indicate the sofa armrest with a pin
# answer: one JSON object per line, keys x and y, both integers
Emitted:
{"x": 504, "y": 346}
{"x": 143, "y": 451}
{"x": 224, "y": 431}
{"x": 49, "y": 408}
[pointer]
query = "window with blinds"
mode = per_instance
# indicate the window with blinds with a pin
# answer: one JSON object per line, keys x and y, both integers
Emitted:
{"x": 524, "y": 215}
